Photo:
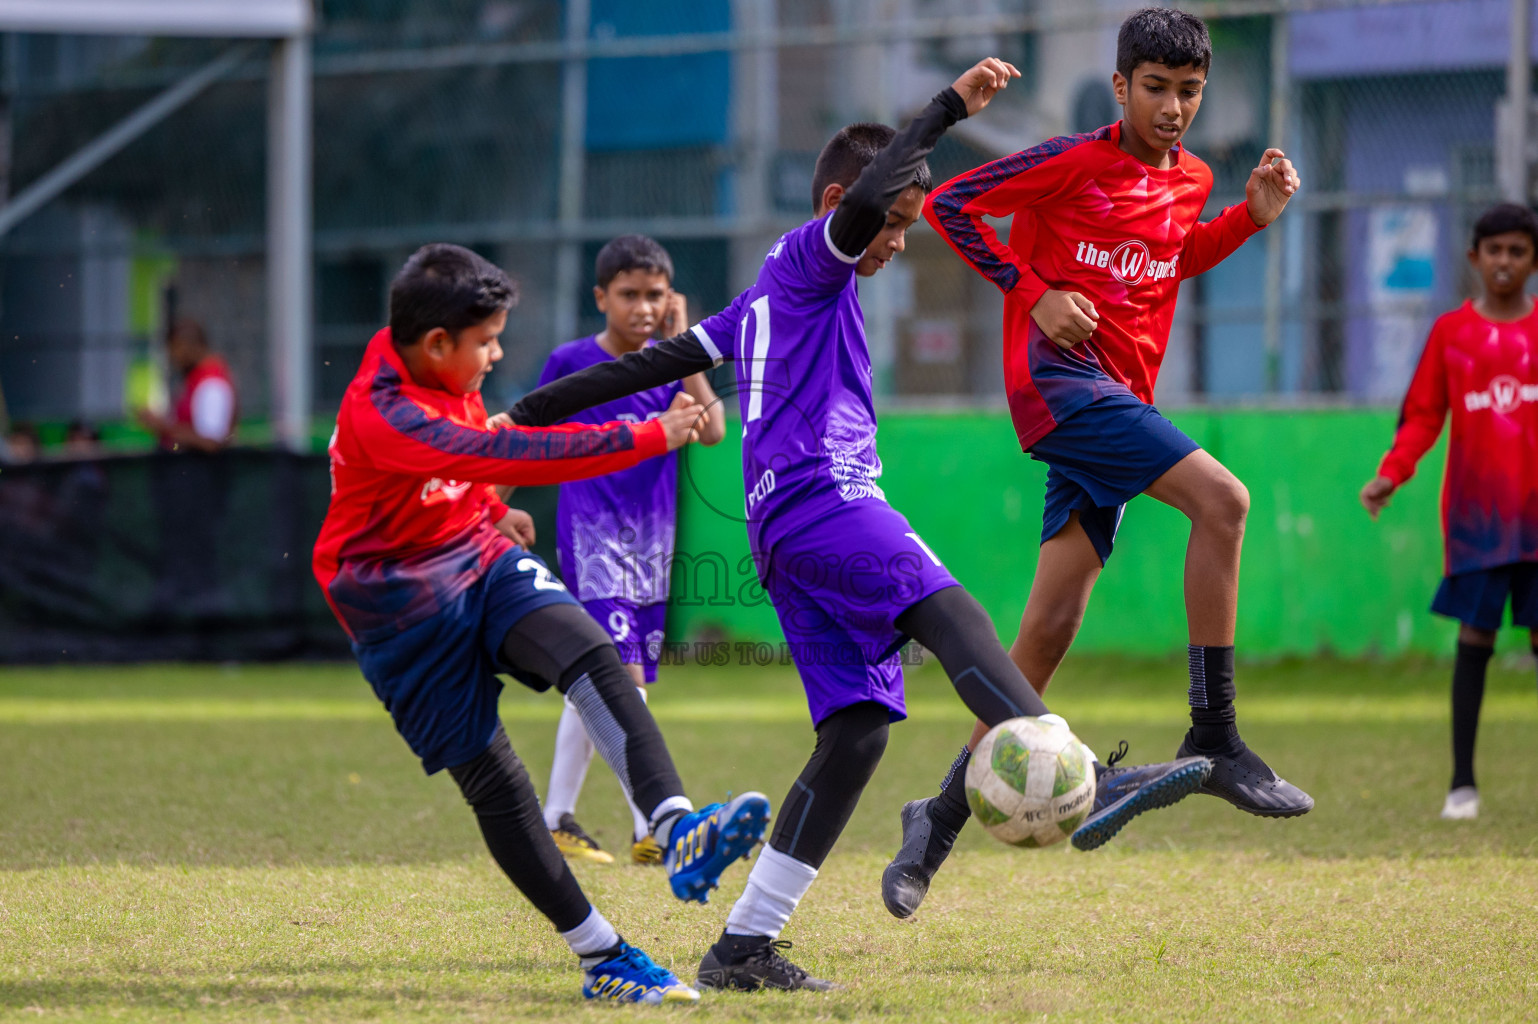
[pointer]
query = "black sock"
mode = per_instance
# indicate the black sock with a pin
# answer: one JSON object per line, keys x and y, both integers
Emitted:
{"x": 1468, "y": 693}
{"x": 1212, "y": 697}
{"x": 950, "y": 807}
{"x": 591, "y": 960}
{"x": 733, "y": 949}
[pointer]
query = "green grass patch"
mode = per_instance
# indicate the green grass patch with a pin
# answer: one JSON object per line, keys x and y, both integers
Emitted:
{"x": 256, "y": 843}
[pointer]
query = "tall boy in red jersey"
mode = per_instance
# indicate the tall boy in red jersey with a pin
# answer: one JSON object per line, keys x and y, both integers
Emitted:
{"x": 425, "y": 570}
{"x": 1481, "y": 364}
{"x": 1105, "y": 228}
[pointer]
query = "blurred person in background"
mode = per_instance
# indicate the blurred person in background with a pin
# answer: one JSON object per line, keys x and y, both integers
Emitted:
{"x": 21, "y": 445}
{"x": 1480, "y": 364}
{"x": 191, "y": 494}
{"x": 81, "y": 440}
{"x": 203, "y": 414}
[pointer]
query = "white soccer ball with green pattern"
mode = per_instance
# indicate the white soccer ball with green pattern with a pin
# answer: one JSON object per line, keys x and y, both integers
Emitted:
{"x": 1031, "y": 782}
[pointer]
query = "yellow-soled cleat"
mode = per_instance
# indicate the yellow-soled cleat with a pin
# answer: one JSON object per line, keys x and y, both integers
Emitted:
{"x": 576, "y": 844}
{"x": 646, "y": 851}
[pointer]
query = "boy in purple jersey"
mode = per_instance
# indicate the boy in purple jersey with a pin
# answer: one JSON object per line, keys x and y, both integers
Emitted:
{"x": 849, "y": 578}
{"x": 614, "y": 533}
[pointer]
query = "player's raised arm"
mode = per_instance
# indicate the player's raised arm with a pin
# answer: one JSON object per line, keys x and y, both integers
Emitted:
{"x": 863, "y": 210}
{"x": 1271, "y": 184}
{"x": 698, "y": 349}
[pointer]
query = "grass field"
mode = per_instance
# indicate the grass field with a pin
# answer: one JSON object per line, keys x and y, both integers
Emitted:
{"x": 255, "y": 843}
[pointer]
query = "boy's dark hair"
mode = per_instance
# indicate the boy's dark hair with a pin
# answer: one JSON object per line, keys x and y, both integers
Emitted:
{"x": 848, "y": 153}
{"x": 1504, "y": 217}
{"x": 446, "y": 286}
{"x": 1162, "y": 35}
{"x": 632, "y": 252}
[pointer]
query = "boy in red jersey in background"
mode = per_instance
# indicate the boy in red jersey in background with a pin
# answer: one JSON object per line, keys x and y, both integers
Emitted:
{"x": 1105, "y": 228}
{"x": 1480, "y": 363}
{"x": 425, "y": 570}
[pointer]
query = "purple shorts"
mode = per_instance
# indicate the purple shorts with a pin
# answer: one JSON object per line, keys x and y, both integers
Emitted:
{"x": 636, "y": 629}
{"x": 838, "y": 586}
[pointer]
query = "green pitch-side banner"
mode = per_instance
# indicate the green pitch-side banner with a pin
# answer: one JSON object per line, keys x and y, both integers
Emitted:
{"x": 1318, "y": 575}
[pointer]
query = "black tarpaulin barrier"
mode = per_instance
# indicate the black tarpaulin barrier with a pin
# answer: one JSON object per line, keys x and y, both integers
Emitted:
{"x": 164, "y": 557}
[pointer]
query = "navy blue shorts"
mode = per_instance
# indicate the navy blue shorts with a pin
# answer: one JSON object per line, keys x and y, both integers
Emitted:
{"x": 438, "y": 678}
{"x": 1102, "y": 457}
{"x": 1478, "y": 598}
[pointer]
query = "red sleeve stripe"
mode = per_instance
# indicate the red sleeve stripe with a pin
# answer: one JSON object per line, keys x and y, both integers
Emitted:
{"x": 951, "y": 200}
{"x": 518, "y": 443}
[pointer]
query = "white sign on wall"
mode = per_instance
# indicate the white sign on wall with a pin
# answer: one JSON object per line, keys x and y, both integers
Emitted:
{"x": 220, "y": 18}
{"x": 1401, "y": 267}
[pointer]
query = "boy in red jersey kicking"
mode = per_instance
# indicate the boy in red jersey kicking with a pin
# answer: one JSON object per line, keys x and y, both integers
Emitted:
{"x": 1480, "y": 363}
{"x": 426, "y": 571}
{"x": 1105, "y": 228}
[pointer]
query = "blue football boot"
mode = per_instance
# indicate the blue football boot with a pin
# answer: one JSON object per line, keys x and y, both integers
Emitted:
{"x": 630, "y": 976}
{"x": 703, "y": 843}
{"x": 1121, "y": 794}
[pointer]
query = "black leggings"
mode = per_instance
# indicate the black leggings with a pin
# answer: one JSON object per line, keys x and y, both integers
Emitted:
{"x": 496, "y": 785}
{"x": 850, "y": 743}
{"x": 561, "y": 645}
{"x": 954, "y": 626}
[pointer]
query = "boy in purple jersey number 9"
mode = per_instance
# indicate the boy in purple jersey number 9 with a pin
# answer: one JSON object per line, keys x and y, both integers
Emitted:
{"x": 614, "y": 533}
{"x": 849, "y": 578}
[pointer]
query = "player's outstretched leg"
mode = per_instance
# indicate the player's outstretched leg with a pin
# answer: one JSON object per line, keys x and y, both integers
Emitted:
{"x": 749, "y": 954}
{"x": 561, "y": 642}
{"x": 497, "y": 788}
{"x": 955, "y": 627}
{"x": 1124, "y": 792}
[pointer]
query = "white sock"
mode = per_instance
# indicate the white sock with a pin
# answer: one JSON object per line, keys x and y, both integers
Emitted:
{"x": 594, "y": 936}
{"x": 775, "y": 885}
{"x": 640, "y": 825}
{"x": 573, "y": 753}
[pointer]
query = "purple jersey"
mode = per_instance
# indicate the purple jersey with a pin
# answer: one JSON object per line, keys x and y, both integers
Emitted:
{"x": 797, "y": 339}
{"x": 614, "y": 533}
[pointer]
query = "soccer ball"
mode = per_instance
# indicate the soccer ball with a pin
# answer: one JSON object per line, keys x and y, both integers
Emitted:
{"x": 1031, "y": 782}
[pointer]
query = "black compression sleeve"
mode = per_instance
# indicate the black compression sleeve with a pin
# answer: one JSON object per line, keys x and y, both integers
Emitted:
{"x": 849, "y": 746}
{"x": 862, "y": 212}
{"x": 497, "y": 787}
{"x": 954, "y": 626}
{"x": 674, "y": 359}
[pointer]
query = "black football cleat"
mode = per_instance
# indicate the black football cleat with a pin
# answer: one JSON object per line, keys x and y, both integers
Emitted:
{"x": 1244, "y": 780}
{"x": 1121, "y": 794}
{"x": 748, "y": 963}
{"x": 926, "y": 844}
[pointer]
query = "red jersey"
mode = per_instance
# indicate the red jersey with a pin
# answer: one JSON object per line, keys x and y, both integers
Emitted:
{"x": 412, "y": 518}
{"x": 1486, "y": 373}
{"x": 210, "y": 370}
{"x": 1092, "y": 219}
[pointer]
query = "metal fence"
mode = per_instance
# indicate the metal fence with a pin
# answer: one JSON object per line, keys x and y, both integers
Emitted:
{"x": 534, "y": 131}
